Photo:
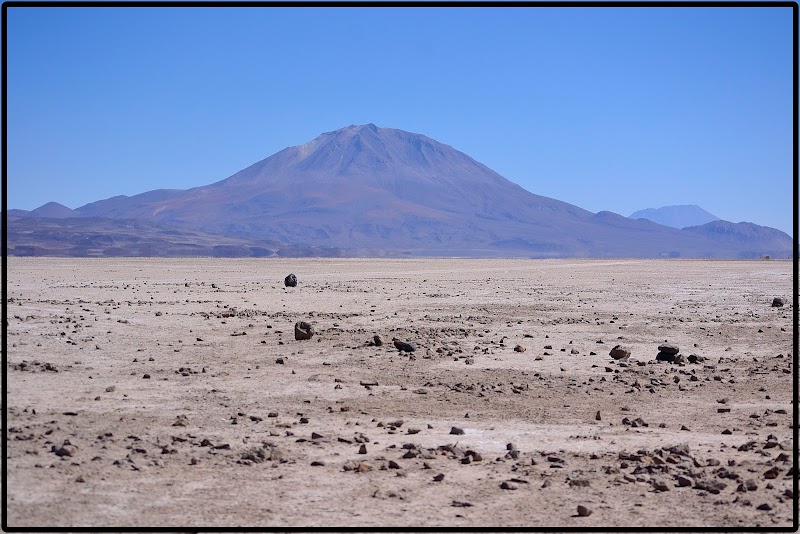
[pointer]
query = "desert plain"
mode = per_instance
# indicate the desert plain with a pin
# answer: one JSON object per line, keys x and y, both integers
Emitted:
{"x": 173, "y": 393}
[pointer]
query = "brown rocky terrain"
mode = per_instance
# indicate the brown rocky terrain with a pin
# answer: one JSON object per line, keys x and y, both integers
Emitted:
{"x": 172, "y": 392}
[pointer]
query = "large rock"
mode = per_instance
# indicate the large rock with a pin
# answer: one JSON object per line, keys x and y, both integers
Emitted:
{"x": 290, "y": 281}
{"x": 665, "y": 357}
{"x": 303, "y": 330}
{"x": 620, "y": 353}
{"x": 668, "y": 349}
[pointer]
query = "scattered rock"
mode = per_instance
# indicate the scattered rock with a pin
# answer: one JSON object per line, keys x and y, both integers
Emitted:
{"x": 508, "y": 486}
{"x": 772, "y": 473}
{"x": 778, "y": 302}
{"x": 439, "y": 477}
{"x": 303, "y": 330}
{"x": 519, "y": 348}
{"x": 181, "y": 420}
{"x": 456, "y": 431}
{"x": 710, "y": 485}
{"x": 66, "y": 449}
{"x": 377, "y": 340}
{"x": 584, "y": 511}
{"x": 290, "y": 281}
{"x": 748, "y": 485}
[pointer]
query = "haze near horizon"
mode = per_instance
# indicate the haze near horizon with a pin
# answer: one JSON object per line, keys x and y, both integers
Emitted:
{"x": 607, "y": 109}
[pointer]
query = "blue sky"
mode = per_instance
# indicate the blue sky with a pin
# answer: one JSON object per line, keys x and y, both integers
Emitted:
{"x": 607, "y": 108}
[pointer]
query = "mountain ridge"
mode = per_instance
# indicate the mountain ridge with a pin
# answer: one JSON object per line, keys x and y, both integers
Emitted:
{"x": 676, "y": 216}
{"x": 386, "y": 190}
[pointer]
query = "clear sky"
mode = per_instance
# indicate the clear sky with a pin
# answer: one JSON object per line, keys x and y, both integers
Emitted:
{"x": 614, "y": 109}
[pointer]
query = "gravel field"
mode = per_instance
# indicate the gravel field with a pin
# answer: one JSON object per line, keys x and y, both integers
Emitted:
{"x": 172, "y": 392}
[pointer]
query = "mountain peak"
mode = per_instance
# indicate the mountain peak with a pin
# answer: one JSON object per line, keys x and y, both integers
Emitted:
{"x": 679, "y": 216}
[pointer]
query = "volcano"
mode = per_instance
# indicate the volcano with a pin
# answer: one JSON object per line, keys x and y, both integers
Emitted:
{"x": 370, "y": 191}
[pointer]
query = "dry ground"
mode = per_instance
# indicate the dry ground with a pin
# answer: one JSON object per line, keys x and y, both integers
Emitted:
{"x": 146, "y": 392}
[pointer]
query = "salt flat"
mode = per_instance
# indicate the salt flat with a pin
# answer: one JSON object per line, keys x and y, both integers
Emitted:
{"x": 172, "y": 392}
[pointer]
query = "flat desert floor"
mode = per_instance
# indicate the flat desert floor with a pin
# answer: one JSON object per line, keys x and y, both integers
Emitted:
{"x": 172, "y": 392}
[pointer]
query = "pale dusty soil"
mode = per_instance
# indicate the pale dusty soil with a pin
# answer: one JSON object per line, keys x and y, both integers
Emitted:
{"x": 96, "y": 323}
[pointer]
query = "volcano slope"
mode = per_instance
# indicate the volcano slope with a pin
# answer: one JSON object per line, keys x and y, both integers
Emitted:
{"x": 156, "y": 392}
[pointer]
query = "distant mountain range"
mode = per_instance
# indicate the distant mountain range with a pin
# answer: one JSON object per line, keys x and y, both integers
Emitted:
{"x": 368, "y": 191}
{"x": 676, "y": 216}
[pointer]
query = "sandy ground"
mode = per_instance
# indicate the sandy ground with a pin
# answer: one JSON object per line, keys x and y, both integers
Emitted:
{"x": 173, "y": 393}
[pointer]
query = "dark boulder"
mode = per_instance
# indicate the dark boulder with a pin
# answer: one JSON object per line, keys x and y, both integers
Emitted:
{"x": 620, "y": 353}
{"x": 290, "y": 281}
{"x": 303, "y": 330}
{"x": 402, "y": 345}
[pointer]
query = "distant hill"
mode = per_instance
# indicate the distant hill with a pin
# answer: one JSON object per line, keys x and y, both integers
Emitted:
{"x": 53, "y": 210}
{"x": 676, "y": 216}
{"x": 370, "y": 191}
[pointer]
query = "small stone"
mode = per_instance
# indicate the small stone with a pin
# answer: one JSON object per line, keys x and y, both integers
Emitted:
{"x": 664, "y": 357}
{"x": 660, "y": 485}
{"x": 765, "y": 507}
{"x": 364, "y": 467}
{"x": 317, "y": 463}
{"x": 362, "y": 449}
{"x": 508, "y": 486}
{"x": 772, "y": 473}
{"x": 303, "y": 330}
{"x": 778, "y": 302}
{"x": 439, "y": 477}
{"x": 146, "y": 376}
{"x": 620, "y": 353}
{"x": 597, "y": 416}
{"x": 583, "y": 511}
{"x": 683, "y": 481}
{"x": 377, "y": 340}
{"x": 456, "y": 431}
{"x": 290, "y": 281}
{"x": 519, "y": 348}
